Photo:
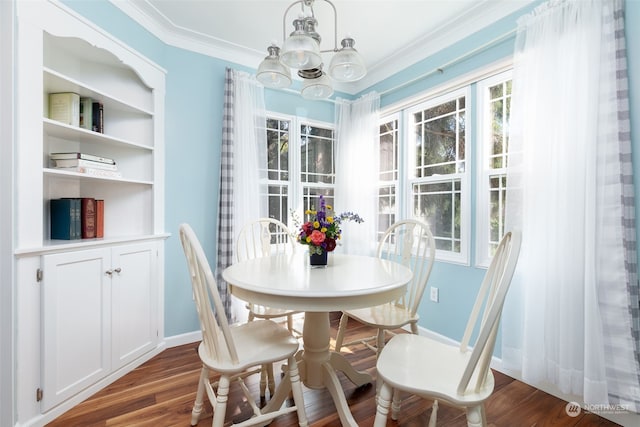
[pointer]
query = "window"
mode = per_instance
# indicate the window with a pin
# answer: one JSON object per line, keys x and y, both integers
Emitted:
{"x": 437, "y": 171}
{"x": 428, "y": 151}
{"x": 317, "y": 164}
{"x": 296, "y": 176}
{"x": 278, "y": 167}
{"x": 494, "y": 99}
{"x": 389, "y": 169}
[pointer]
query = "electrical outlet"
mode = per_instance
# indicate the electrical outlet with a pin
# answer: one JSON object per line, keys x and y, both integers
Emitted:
{"x": 434, "y": 294}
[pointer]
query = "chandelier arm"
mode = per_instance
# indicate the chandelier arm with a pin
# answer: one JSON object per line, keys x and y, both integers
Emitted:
{"x": 335, "y": 28}
{"x": 284, "y": 17}
{"x": 309, "y": 4}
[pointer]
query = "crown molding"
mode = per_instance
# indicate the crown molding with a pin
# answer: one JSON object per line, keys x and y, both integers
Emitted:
{"x": 474, "y": 19}
{"x": 164, "y": 29}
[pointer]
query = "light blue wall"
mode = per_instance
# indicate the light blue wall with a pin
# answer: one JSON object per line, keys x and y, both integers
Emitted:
{"x": 194, "y": 128}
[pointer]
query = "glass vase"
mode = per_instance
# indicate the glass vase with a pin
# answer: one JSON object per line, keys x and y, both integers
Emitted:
{"x": 318, "y": 260}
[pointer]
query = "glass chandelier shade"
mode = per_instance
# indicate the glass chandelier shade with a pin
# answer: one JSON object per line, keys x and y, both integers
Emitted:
{"x": 347, "y": 64}
{"x": 318, "y": 88}
{"x": 300, "y": 50}
{"x": 272, "y": 72}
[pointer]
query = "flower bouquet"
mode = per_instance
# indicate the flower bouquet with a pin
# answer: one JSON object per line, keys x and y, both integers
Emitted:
{"x": 322, "y": 230}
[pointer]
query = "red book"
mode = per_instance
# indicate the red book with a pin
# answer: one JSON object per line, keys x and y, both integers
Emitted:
{"x": 88, "y": 217}
{"x": 99, "y": 218}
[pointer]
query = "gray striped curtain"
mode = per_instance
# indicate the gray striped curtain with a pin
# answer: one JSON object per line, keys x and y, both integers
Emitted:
{"x": 225, "y": 205}
{"x": 622, "y": 339}
{"x": 243, "y": 192}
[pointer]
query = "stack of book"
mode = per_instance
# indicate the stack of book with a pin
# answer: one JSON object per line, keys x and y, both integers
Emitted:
{"x": 85, "y": 163}
{"x": 71, "y": 109}
{"x": 76, "y": 218}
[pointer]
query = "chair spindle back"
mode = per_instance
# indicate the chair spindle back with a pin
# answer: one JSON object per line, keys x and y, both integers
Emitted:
{"x": 491, "y": 295}
{"x": 410, "y": 243}
{"x": 262, "y": 238}
{"x": 216, "y": 334}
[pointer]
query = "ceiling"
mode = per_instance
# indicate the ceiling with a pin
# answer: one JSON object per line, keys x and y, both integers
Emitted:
{"x": 390, "y": 35}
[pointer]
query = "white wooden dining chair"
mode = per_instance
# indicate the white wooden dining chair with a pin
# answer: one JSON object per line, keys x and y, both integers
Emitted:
{"x": 458, "y": 374}
{"x": 410, "y": 243}
{"x": 234, "y": 352}
{"x": 262, "y": 238}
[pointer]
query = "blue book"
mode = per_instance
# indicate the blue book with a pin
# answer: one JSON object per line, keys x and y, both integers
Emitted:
{"x": 65, "y": 219}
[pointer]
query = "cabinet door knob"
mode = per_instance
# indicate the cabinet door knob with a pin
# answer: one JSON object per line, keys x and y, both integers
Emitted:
{"x": 110, "y": 272}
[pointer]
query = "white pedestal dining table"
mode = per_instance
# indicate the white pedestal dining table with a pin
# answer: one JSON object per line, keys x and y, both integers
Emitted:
{"x": 348, "y": 281}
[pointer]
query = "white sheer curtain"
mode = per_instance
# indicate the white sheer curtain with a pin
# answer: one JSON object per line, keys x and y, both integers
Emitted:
{"x": 568, "y": 316}
{"x": 250, "y": 150}
{"x": 357, "y": 170}
{"x": 243, "y": 192}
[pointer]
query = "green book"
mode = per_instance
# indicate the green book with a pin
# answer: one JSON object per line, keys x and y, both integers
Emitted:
{"x": 65, "y": 219}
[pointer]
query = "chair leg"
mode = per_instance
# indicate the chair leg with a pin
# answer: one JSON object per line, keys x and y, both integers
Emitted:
{"x": 476, "y": 416}
{"x": 197, "y": 406}
{"x": 382, "y": 408}
{"x": 396, "y": 405}
{"x": 267, "y": 379}
{"x": 414, "y": 328}
{"x": 379, "y": 342}
{"x": 434, "y": 414}
{"x": 296, "y": 390}
{"x": 263, "y": 381}
{"x": 220, "y": 409}
{"x": 342, "y": 327}
{"x": 290, "y": 323}
{"x": 270, "y": 379}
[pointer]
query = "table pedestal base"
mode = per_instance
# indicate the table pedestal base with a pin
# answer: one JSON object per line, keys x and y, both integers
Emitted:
{"x": 319, "y": 367}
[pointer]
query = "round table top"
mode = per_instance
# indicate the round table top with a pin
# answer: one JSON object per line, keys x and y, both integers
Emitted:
{"x": 289, "y": 282}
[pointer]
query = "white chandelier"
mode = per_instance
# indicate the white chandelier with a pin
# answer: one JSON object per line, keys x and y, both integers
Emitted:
{"x": 301, "y": 51}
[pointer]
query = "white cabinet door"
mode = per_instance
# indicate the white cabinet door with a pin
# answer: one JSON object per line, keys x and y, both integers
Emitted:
{"x": 76, "y": 322}
{"x": 134, "y": 302}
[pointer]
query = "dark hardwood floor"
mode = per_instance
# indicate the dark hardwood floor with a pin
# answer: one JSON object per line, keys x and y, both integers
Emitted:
{"x": 160, "y": 393}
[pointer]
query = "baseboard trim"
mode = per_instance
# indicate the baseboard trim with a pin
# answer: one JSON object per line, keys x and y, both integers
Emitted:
{"x": 182, "y": 339}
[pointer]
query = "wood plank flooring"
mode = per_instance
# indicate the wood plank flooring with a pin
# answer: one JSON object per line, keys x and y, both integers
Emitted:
{"x": 160, "y": 393}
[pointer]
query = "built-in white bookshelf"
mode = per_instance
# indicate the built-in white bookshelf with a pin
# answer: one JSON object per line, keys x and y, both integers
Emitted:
{"x": 87, "y": 310}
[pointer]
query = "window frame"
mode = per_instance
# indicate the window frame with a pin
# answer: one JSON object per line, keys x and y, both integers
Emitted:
{"x": 279, "y": 182}
{"x": 391, "y": 183}
{"x": 483, "y": 171}
{"x": 296, "y": 187}
{"x": 455, "y": 93}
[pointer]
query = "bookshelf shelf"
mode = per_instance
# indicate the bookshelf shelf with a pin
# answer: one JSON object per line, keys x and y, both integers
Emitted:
{"x": 64, "y": 131}
{"x": 57, "y": 82}
{"x": 62, "y": 174}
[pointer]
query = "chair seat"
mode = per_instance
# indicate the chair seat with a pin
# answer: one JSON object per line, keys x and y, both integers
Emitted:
{"x": 257, "y": 343}
{"x": 429, "y": 368}
{"x": 391, "y": 316}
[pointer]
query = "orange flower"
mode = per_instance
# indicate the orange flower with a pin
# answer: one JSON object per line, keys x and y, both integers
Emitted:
{"x": 317, "y": 237}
